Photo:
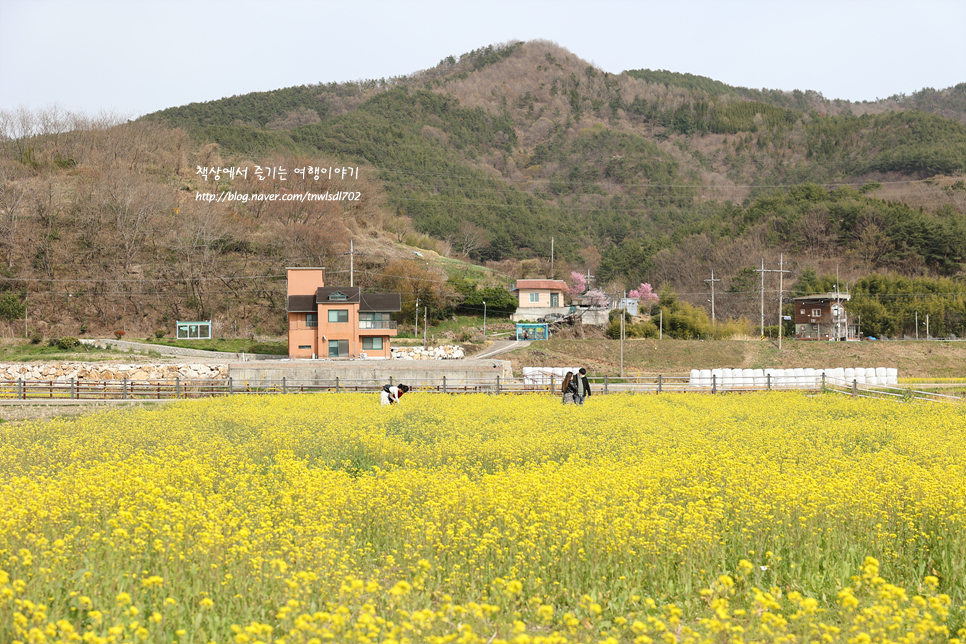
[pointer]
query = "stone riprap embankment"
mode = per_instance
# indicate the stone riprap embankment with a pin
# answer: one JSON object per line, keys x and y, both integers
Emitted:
{"x": 67, "y": 371}
{"x": 448, "y": 352}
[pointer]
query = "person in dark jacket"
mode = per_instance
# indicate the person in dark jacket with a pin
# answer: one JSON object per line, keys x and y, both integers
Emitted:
{"x": 568, "y": 393}
{"x": 579, "y": 386}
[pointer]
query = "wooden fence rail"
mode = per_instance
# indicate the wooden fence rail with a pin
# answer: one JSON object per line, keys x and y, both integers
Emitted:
{"x": 64, "y": 390}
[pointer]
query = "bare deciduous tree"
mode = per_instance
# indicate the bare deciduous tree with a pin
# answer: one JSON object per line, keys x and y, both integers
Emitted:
{"x": 13, "y": 188}
{"x": 468, "y": 238}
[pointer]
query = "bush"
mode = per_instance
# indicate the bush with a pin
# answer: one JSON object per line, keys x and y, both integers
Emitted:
{"x": 36, "y": 338}
{"x": 639, "y": 330}
{"x": 11, "y": 308}
{"x": 687, "y": 323}
{"x": 160, "y": 333}
{"x": 731, "y": 329}
{"x": 68, "y": 342}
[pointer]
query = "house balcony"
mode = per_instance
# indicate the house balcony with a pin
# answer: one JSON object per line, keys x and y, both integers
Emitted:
{"x": 377, "y": 327}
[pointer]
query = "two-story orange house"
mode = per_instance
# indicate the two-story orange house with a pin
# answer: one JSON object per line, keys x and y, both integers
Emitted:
{"x": 337, "y": 322}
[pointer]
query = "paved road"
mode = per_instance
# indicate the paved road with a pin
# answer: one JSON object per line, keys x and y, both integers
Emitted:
{"x": 500, "y": 346}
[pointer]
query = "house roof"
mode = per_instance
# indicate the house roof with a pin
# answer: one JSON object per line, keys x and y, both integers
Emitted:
{"x": 823, "y": 297}
{"x": 552, "y": 285}
{"x": 301, "y": 304}
{"x": 386, "y": 302}
{"x": 381, "y": 302}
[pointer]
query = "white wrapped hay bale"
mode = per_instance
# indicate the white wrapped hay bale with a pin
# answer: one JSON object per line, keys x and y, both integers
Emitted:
{"x": 809, "y": 379}
{"x": 784, "y": 377}
{"x": 705, "y": 376}
{"x": 747, "y": 378}
{"x": 769, "y": 375}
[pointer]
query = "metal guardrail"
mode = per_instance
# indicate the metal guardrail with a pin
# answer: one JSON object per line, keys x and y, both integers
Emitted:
{"x": 171, "y": 389}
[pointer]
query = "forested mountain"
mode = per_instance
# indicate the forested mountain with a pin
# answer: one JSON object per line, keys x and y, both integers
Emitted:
{"x": 949, "y": 103}
{"x": 498, "y": 155}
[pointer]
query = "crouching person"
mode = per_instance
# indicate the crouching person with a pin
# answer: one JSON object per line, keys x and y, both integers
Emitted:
{"x": 391, "y": 394}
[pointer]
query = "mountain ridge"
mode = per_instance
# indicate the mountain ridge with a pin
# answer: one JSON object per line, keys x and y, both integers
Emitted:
{"x": 505, "y": 156}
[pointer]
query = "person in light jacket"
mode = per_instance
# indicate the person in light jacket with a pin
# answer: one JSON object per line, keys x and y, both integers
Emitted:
{"x": 391, "y": 394}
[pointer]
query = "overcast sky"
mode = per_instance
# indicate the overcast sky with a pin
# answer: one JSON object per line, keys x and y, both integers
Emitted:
{"x": 134, "y": 57}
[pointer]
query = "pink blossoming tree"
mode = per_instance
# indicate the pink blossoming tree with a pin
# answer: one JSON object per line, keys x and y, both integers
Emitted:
{"x": 644, "y": 293}
{"x": 597, "y": 298}
{"x": 578, "y": 283}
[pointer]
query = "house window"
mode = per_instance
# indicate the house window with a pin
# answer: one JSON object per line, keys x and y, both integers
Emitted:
{"x": 305, "y": 346}
{"x": 534, "y": 297}
{"x": 338, "y": 348}
{"x": 803, "y": 311}
{"x": 372, "y": 344}
{"x": 338, "y": 315}
{"x": 816, "y": 313}
{"x": 337, "y": 297}
{"x": 312, "y": 320}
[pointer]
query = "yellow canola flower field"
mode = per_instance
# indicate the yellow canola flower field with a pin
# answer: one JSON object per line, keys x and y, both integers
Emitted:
{"x": 303, "y": 519}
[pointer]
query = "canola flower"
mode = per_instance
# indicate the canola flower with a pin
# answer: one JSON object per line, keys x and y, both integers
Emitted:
{"x": 313, "y": 518}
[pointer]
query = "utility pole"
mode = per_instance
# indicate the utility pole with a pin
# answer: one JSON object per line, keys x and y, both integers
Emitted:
{"x": 416, "y": 333}
{"x": 780, "y": 270}
{"x": 781, "y": 292}
{"x": 762, "y": 290}
{"x": 351, "y": 255}
{"x": 712, "y": 280}
{"x": 552, "y": 274}
{"x": 623, "y": 313}
{"x": 484, "y": 318}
